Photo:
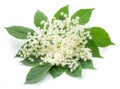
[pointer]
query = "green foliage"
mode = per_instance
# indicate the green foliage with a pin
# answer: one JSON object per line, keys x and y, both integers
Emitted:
{"x": 100, "y": 37}
{"x": 56, "y": 71}
{"x": 84, "y": 15}
{"x": 27, "y": 62}
{"x": 18, "y": 55}
{"x": 37, "y": 73}
{"x": 94, "y": 48}
{"x": 38, "y": 17}
{"x": 19, "y": 32}
{"x": 76, "y": 73}
{"x": 62, "y": 10}
{"x": 87, "y": 64}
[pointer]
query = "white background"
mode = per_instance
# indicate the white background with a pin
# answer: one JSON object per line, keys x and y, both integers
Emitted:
{"x": 21, "y": 12}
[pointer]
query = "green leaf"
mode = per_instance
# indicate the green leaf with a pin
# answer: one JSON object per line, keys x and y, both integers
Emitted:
{"x": 18, "y": 55}
{"x": 27, "y": 62}
{"x": 37, "y": 73}
{"x": 19, "y": 31}
{"x": 38, "y": 17}
{"x": 100, "y": 37}
{"x": 64, "y": 10}
{"x": 87, "y": 64}
{"x": 94, "y": 48}
{"x": 56, "y": 71}
{"x": 76, "y": 73}
{"x": 84, "y": 15}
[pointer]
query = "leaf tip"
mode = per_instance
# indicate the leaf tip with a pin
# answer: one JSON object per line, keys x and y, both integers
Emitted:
{"x": 113, "y": 43}
{"x": 92, "y": 8}
{"x": 93, "y": 68}
{"x": 21, "y": 61}
{"x": 26, "y": 82}
{"x": 101, "y": 57}
{"x": 6, "y": 28}
{"x": 16, "y": 55}
{"x": 37, "y": 10}
{"x": 67, "y": 5}
{"x": 54, "y": 77}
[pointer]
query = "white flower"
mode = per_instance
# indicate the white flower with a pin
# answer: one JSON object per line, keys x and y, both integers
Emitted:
{"x": 63, "y": 43}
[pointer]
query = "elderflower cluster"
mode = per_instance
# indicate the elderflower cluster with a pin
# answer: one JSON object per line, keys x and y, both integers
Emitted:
{"x": 61, "y": 42}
